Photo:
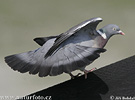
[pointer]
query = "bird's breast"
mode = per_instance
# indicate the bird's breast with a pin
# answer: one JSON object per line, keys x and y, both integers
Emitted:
{"x": 99, "y": 42}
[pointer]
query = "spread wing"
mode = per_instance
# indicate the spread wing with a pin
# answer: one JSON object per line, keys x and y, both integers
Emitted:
{"x": 88, "y": 24}
{"x": 65, "y": 60}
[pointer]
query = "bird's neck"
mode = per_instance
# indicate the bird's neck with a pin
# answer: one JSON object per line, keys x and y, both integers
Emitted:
{"x": 102, "y": 39}
{"x": 103, "y": 34}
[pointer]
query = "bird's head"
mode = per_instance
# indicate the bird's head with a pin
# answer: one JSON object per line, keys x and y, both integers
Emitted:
{"x": 109, "y": 30}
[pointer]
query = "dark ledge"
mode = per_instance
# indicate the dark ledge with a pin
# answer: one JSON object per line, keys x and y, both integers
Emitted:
{"x": 113, "y": 82}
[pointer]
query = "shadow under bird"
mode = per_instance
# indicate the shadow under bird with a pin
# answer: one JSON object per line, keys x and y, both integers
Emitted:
{"x": 67, "y": 52}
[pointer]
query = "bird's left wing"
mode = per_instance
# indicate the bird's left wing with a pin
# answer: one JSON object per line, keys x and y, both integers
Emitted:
{"x": 42, "y": 40}
{"x": 91, "y": 23}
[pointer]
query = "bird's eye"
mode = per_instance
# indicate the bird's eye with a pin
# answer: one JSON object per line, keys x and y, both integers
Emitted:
{"x": 114, "y": 29}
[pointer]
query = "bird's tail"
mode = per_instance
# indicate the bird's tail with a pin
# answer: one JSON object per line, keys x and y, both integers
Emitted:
{"x": 22, "y": 62}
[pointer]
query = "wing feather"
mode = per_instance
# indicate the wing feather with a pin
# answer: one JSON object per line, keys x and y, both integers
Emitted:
{"x": 91, "y": 23}
{"x": 42, "y": 40}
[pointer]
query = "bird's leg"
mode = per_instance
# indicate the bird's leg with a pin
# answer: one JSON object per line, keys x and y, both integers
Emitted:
{"x": 74, "y": 76}
{"x": 87, "y": 71}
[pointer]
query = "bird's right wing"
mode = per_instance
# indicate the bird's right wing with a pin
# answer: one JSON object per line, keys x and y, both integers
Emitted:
{"x": 88, "y": 24}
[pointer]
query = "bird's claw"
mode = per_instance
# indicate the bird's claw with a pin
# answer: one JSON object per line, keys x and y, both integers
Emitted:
{"x": 74, "y": 76}
{"x": 87, "y": 71}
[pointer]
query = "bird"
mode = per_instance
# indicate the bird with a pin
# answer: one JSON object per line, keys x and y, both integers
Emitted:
{"x": 67, "y": 52}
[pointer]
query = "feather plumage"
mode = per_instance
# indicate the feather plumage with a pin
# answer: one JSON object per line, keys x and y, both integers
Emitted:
{"x": 70, "y": 51}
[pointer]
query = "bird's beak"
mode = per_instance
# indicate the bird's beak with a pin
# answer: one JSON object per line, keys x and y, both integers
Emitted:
{"x": 120, "y": 32}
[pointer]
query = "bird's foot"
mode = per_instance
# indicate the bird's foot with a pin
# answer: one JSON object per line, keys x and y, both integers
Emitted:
{"x": 74, "y": 76}
{"x": 87, "y": 71}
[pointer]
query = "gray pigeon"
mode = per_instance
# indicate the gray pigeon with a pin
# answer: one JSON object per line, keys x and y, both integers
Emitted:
{"x": 67, "y": 52}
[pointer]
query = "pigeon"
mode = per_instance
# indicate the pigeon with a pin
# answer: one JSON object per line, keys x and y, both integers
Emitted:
{"x": 67, "y": 52}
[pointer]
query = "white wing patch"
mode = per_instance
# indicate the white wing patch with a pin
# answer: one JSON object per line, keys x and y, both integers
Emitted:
{"x": 88, "y": 22}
